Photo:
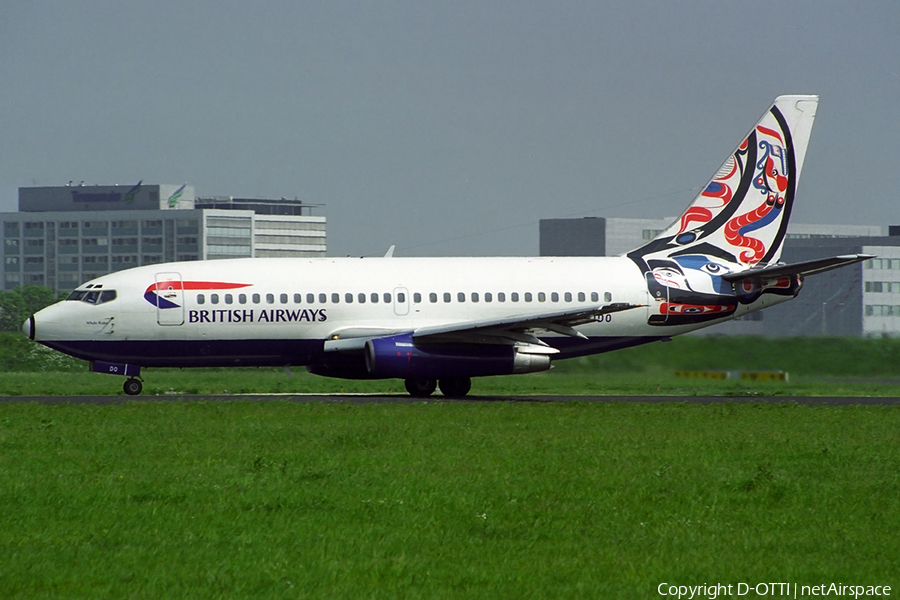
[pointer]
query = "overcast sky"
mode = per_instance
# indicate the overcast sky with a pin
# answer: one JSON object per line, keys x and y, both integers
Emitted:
{"x": 447, "y": 128}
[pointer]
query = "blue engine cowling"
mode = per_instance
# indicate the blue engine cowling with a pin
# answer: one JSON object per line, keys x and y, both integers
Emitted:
{"x": 399, "y": 356}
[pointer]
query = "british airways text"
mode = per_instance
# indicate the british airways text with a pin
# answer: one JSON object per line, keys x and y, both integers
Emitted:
{"x": 271, "y": 315}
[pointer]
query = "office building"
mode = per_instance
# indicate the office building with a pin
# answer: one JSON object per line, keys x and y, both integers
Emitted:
{"x": 858, "y": 300}
{"x": 65, "y": 235}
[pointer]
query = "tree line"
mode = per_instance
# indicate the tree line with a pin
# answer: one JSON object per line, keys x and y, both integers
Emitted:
{"x": 20, "y": 303}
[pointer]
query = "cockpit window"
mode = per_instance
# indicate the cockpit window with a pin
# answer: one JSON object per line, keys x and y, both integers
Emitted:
{"x": 94, "y": 296}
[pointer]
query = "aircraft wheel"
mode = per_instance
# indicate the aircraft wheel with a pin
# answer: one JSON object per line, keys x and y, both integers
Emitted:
{"x": 455, "y": 387}
{"x": 420, "y": 388}
{"x": 133, "y": 387}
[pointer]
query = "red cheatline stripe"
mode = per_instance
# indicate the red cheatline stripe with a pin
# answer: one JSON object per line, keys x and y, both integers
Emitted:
{"x": 195, "y": 285}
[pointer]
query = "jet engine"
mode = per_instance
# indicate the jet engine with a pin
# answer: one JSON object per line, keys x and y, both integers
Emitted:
{"x": 401, "y": 357}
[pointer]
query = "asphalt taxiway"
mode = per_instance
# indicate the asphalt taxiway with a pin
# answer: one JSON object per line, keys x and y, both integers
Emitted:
{"x": 404, "y": 399}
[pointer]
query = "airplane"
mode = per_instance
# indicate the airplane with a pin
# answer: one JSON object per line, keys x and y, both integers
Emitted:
{"x": 439, "y": 322}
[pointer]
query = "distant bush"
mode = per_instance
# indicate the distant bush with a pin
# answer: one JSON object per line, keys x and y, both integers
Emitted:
{"x": 22, "y": 302}
{"x": 18, "y": 354}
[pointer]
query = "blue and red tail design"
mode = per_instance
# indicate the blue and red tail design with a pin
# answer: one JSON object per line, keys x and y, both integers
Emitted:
{"x": 156, "y": 293}
{"x": 738, "y": 222}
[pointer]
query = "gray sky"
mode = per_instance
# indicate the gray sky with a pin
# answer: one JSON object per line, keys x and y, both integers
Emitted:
{"x": 447, "y": 128}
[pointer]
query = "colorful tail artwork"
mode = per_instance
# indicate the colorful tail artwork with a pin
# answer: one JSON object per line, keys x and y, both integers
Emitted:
{"x": 738, "y": 221}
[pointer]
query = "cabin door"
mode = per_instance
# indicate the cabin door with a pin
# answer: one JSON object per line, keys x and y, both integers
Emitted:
{"x": 658, "y": 307}
{"x": 169, "y": 301}
{"x": 401, "y": 301}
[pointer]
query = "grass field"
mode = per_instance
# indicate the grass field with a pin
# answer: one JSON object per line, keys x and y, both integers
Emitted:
{"x": 453, "y": 499}
{"x": 442, "y": 500}
{"x": 835, "y": 366}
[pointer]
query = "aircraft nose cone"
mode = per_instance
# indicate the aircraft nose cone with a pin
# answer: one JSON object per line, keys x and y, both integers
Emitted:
{"x": 28, "y": 327}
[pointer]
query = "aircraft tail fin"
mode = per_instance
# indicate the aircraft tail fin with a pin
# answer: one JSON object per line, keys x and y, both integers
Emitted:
{"x": 742, "y": 214}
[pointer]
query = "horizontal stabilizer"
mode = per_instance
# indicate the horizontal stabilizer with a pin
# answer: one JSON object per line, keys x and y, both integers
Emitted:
{"x": 810, "y": 267}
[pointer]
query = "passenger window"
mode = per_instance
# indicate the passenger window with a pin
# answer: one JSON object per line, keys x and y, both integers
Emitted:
{"x": 474, "y": 296}
{"x": 595, "y": 297}
{"x": 107, "y": 296}
{"x": 501, "y": 296}
{"x": 255, "y": 298}
{"x": 310, "y": 298}
{"x": 542, "y": 297}
{"x": 362, "y": 298}
{"x": 460, "y": 296}
{"x": 335, "y": 298}
{"x": 298, "y": 298}
{"x": 374, "y": 297}
{"x": 446, "y": 296}
{"x": 229, "y": 299}
{"x": 214, "y": 298}
{"x": 417, "y": 298}
{"x": 348, "y": 298}
{"x": 581, "y": 297}
{"x": 528, "y": 297}
{"x": 568, "y": 296}
{"x": 323, "y": 298}
{"x": 387, "y": 298}
{"x": 242, "y": 298}
{"x": 283, "y": 298}
{"x": 514, "y": 296}
{"x": 488, "y": 297}
{"x": 607, "y": 296}
{"x": 554, "y": 297}
{"x": 401, "y": 297}
{"x": 270, "y": 298}
{"x": 201, "y": 299}
{"x": 432, "y": 297}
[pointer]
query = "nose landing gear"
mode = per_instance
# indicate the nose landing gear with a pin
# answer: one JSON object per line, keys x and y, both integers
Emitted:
{"x": 133, "y": 386}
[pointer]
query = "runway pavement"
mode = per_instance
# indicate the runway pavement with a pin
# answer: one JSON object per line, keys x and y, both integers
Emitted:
{"x": 404, "y": 399}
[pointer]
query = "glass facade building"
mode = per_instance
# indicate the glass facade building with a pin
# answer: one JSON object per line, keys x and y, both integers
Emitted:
{"x": 858, "y": 300}
{"x": 63, "y": 236}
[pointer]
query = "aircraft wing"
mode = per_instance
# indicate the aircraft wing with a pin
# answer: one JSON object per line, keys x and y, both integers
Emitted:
{"x": 518, "y": 329}
{"x": 810, "y": 267}
{"x": 506, "y": 331}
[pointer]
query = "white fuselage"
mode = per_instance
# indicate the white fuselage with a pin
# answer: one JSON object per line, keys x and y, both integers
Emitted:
{"x": 306, "y": 302}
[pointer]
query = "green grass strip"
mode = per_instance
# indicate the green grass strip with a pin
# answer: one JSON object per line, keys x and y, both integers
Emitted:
{"x": 442, "y": 500}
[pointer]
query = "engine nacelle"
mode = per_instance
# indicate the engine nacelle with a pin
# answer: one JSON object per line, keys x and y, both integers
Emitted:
{"x": 342, "y": 366}
{"x": 399, "y": 356}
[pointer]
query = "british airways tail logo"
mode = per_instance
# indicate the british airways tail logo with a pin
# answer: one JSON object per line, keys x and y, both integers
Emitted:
{"x": 162, "y": 293}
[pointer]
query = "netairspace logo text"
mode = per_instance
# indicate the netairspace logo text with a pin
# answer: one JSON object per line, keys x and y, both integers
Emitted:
{"x": 779, "y": 589}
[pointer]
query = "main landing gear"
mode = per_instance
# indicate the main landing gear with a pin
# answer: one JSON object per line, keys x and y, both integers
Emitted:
{"x": 420, "y": 388}
{"x": 451, "y": 387}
